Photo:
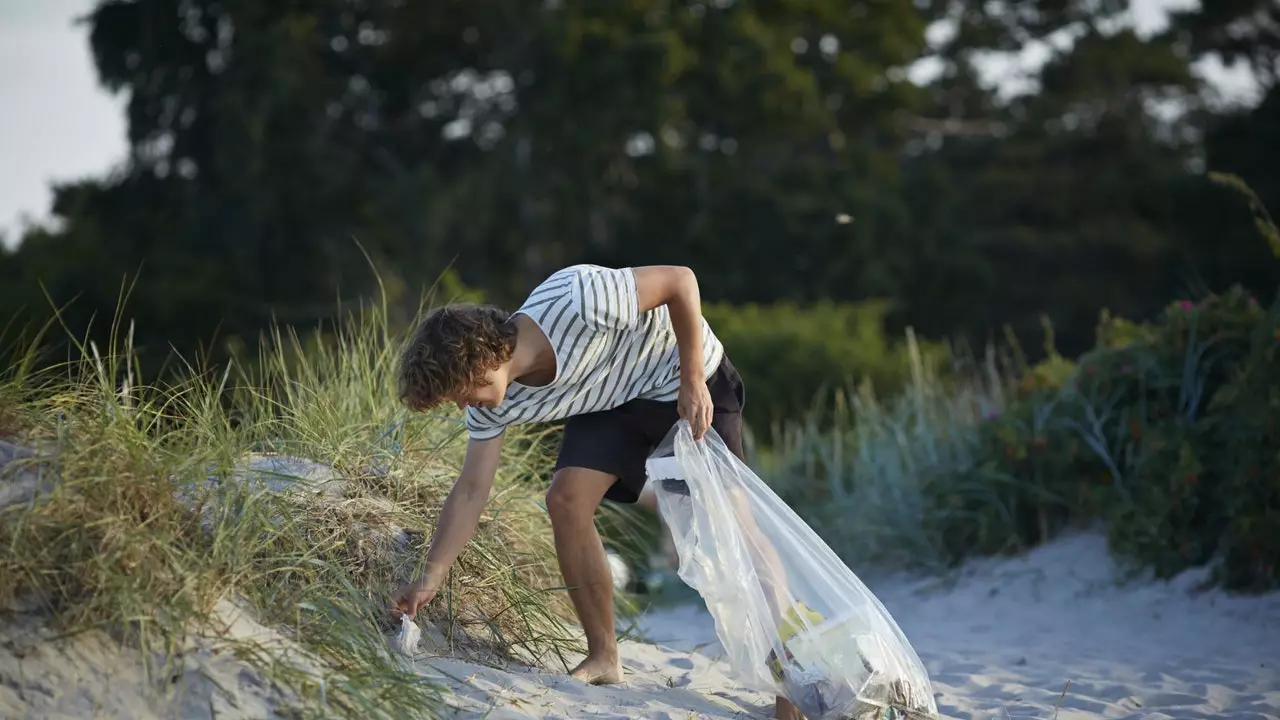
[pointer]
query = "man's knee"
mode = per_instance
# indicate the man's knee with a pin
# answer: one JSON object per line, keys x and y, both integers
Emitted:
{"x": 575, "y": 493}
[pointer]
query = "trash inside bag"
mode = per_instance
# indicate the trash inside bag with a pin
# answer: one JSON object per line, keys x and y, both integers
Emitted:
{"x": 793, "y": 618}
{"x": 407, "y": 639}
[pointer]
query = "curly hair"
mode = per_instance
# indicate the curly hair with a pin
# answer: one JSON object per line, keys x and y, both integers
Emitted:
{"x": 451, "y": 350}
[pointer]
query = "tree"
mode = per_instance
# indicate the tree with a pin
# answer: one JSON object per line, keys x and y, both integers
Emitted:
{"x": 266, "y": 139}
{"x": 1236, "y": 30}
{"x": 1067, "y": 211}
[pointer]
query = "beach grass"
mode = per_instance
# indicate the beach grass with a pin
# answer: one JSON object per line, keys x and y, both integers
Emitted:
{"x": 158, "y": 501}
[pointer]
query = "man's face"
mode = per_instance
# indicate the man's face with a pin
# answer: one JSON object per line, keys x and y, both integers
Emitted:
{"x": 489, "y": 395}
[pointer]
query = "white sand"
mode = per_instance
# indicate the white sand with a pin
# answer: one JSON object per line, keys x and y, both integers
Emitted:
{"x": 1003, "y": 642}
{"x": 91, "y": 675}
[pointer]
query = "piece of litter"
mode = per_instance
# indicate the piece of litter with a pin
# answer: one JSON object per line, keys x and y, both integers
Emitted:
{"x": 410, "y": 633}
{"x": 844, "y": 218}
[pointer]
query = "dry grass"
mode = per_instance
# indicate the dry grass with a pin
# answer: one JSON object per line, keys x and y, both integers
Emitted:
{"x": 151, "y": 520}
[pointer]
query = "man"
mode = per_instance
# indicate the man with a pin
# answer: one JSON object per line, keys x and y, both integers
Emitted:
{"x": 619, "y": 354}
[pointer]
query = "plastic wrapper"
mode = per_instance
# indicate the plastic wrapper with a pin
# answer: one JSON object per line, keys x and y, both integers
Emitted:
{"x": 794, "y": 620}
{"x": 407, "y": 639}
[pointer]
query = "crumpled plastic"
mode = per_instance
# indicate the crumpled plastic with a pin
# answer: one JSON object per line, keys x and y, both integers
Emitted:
{"x": 407, "y": 639}
{"x": 794, "y": 620}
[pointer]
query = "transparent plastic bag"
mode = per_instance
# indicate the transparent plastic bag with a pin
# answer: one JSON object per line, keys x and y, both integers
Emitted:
{"x": 793, "y": 618}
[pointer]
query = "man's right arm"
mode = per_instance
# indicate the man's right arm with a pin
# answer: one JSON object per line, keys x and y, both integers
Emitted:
{"x": 461, "y": 510}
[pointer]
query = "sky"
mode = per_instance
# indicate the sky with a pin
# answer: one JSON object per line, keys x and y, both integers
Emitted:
{"x": 59, "y": 125}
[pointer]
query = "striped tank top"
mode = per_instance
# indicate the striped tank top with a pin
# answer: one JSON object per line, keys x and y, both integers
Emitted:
{"x": 607, "y": 351}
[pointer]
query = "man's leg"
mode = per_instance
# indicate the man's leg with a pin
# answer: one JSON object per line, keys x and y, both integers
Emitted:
{"x": 670, "y": 558}
{"x": 772, "y": 575}
{"x": 572, "y": 500}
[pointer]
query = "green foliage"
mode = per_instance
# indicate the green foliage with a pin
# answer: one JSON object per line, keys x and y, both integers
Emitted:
{"x": 1146, "y": 437}
{"x": 1261, "y": 217}
{"x": 778, "y": 149}
{"x": 1239, "y": 31}
{"x": 1166, "y": 432}
{"x": 1049, "y": 373}
{"x": 1246, "y": 462}
{"x": 145, "y": 529}
{"x": 789, "y": 355}
{"x": 868, "y": 478}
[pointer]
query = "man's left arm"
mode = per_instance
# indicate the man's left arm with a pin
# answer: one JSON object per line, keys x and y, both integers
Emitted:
{"x": 677, "y": 288}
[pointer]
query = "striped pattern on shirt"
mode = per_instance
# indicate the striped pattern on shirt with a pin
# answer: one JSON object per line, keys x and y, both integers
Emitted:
{"x": 607, "y": 351}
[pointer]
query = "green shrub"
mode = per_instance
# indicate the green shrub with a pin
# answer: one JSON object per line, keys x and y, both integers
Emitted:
{"x": 1048, "y": 374}
{"x": 1166, "y": 436}
{"x": 790, "y": 356}
{"x": 868, "y": 476}
{"x": 1167, "y": 433}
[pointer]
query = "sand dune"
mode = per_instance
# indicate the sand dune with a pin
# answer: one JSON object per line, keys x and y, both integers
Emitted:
{"x": 91, "y": 675}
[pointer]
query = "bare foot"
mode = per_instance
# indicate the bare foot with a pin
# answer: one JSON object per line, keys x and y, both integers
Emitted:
{"x": 603, "y": 671}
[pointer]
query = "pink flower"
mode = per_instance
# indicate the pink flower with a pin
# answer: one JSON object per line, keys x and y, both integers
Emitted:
{"x": 1185, "y": 304}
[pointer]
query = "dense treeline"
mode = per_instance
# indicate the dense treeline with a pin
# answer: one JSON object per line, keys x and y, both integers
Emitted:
{"x": 780, "y": 148}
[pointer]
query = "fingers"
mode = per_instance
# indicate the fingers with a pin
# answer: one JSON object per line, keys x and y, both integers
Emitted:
{"x": 697, "y": 408}
{"x": 413, "y": 604}
{"x": 399, "y": 608}
{"x": 409, "y": 609}
{"x": 701, "y": 423}
{"x": 408, "y": 604}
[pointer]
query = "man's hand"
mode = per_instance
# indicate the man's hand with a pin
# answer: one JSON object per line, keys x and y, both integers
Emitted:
{"x": 413, "y": 597}
{"x": 695, "y": 406}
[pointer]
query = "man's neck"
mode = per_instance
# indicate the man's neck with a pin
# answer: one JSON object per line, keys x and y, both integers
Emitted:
{"x": 534, "y": 361}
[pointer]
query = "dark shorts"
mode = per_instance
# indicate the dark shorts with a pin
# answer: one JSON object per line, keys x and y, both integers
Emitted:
{"x": 618, "y": 441}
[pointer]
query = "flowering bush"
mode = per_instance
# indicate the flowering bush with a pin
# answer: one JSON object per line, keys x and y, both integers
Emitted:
{"x": 1167, "y": 432}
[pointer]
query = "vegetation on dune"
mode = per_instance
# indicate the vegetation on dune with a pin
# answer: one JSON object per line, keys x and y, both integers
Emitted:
{"x": 1165, "y": 432}
{"x": 160, "y": 502}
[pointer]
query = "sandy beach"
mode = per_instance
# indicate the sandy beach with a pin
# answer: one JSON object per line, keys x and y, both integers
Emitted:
{"x": 1055, "y": 633}
{"x": 1051, "y": 634}
{"x": 1047, "y": 635}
